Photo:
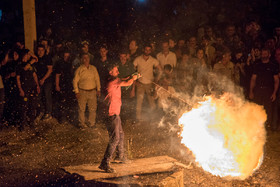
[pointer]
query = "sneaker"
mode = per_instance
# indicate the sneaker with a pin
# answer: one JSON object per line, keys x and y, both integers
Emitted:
{"x": 47, "y": 117}
{"x": 106, "y": 168}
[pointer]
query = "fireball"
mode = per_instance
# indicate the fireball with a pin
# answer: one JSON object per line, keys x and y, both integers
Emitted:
{"x": 226, "y": 135}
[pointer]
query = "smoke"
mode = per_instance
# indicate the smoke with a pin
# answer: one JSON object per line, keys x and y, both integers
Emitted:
{"x": 235, "y": 124}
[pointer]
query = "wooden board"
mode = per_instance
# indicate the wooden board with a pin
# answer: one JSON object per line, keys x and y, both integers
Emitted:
{"x": 136, "y": 167}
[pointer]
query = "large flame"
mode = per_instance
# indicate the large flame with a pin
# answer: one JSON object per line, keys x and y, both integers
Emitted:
{"x": 226, "y": 135}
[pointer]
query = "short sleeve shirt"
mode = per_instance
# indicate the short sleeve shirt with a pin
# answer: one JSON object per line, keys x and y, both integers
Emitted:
{"x": 146, "y": 68}
{"x": 265, "y": 74}
{"x": 114, "y": 96}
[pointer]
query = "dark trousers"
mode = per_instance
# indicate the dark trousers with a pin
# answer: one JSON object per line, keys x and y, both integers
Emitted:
{"x": 116, "y": 139}
{"x": 46, "y": 98}
{"x": 28, "y": 108}
{"x": 262, "y": 97}
{"x": 64, "y": 104}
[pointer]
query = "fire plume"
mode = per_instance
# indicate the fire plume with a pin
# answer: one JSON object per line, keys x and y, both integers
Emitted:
{"x": 226, "y": 135}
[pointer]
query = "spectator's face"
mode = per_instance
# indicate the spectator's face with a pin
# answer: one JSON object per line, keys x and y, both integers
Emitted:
{"x": 257, "y": 52}
{"x": 277, "y": 55}
{"x": 114, "y": 72}
{"x": 220, "y": 41}
{"x": 270, "y": 43}
{"x": 230, "y": 31}
{"x": 85, "y": 59}
{"x": 181, "y": 43}
{"x": 123, "y": 58}
{"x": 66, "y": 57}
{"x": 265, "y": 55}
{"x": 238, "y": 55}
{"x": 58, "y": 47}
{"x": 209, "y": 31}
{"x": 103, "y": 52}
{"x": 147, "y": 51}
{"x": 44, "y": 43}
{"x": 200, "y": 54}
{"x": 227, "y": 57}
{"x": 185, "y": 57}
{"x": 165, "y": 47}
{"x": 192, "y": 41}
{"x": 132, "y": 45}
{"x": 85, "y": 48}
{"x": 171, "y": 43}
{"x": 41, "y": 51}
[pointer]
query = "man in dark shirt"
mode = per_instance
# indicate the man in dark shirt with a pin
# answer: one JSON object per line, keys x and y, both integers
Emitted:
{"x": 102, "y": 63}
{"x": 63, "y": 85}
{"x": 126, "y": 69}
{"x": 264, "y": 83}
{"x": 28, "y": 86}
{"x": 44, "y": 68}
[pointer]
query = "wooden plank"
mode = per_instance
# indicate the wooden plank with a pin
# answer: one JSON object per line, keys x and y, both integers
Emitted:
{"x": 136, "y": 167}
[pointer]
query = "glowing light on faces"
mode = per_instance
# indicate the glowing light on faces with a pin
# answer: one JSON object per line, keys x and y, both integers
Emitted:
{"x": 226, "y": 136}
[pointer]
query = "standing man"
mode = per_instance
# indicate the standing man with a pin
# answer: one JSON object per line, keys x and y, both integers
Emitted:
{"x": 145, "y": 65}
{"x": 86, "y": 84}
{"x": 114, "y": 127}
{"x": 166, "y": 56}
{"x": 44, "y": 68}
{"x": 264, "y": 83}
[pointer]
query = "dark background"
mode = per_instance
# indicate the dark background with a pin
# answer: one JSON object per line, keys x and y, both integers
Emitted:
{"x": 111, "y": 20}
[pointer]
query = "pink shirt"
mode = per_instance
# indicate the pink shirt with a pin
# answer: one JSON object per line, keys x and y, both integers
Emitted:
{"x": 114, "y": 96}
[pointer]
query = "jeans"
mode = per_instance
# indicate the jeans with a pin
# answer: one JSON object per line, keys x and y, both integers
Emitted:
{"x": 46, "y": 98}
{"x": 116, "y": 139}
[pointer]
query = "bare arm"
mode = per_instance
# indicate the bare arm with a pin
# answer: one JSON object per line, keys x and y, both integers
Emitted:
{"x": 47, "y": 75}
{"x": 130, "y": 81}
{"x": 21, "y": 92}
{"x": 276, "y": 86}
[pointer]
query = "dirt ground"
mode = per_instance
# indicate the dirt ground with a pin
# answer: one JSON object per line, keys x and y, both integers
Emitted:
{"x": 36, "y": 156}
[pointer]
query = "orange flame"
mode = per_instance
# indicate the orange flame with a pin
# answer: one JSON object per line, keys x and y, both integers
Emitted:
{"x": 226, "y": 135}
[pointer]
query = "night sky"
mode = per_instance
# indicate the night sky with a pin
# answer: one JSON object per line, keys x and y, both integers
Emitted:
{"x": 113, "y": 19}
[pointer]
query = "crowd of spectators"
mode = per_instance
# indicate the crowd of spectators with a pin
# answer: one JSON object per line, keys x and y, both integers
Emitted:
{"x": 39, "y": 85}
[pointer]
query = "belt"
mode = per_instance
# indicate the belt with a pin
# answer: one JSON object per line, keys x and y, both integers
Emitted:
{"x": 87, "y": 90}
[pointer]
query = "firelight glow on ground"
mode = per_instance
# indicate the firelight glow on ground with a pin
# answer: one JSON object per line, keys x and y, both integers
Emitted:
{"x": 226, "y": 135}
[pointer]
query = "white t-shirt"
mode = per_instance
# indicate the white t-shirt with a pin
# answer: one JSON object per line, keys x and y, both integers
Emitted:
{"x": 168, "y": 59}
{"x": 145, "y": 68}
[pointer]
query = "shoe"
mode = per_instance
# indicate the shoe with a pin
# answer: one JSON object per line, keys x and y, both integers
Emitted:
{"x": 47, "y": 117}
{"x": 122, "y": 160}
{"x": 106, "y": 168}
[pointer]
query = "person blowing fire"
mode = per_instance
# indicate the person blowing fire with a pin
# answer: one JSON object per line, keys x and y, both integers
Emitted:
{"x": 113, "y": 125}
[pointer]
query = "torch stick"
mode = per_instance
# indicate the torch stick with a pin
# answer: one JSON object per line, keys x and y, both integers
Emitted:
{"x": 173, "y": 95}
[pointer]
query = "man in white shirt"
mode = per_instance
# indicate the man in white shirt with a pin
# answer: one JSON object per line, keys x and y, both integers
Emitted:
{"x": 145, "y": 64}
{"x": 86, "y": 85}
{"x": 166, "y": 56}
